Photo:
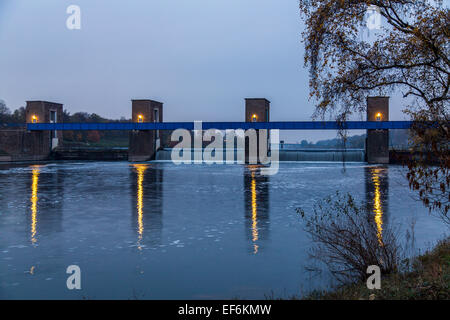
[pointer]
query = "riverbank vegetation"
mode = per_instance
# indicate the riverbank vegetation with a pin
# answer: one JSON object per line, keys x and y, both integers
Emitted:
{"x": 428, "y": 278}
{"x": 347, "y": 239}
{"x": 408, "y": 57}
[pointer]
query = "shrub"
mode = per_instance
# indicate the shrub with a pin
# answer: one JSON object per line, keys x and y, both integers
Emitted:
{"x": 347, "y": 240}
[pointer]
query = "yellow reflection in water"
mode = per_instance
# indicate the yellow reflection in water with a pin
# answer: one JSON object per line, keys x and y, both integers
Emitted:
{"x": 377, "y": 207}
{"x": 140, "y": 169}
{"x": 254, "y": 214}
{"x": 34, "y": 200}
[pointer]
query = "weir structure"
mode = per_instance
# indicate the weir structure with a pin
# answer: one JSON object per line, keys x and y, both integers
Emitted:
{"x": 257, "y": 110}
{"x": 377, "y": 141}
{"x": 144, "y": 143}
{"x": 44, "y": 126}
{"x": 17, "y": 143}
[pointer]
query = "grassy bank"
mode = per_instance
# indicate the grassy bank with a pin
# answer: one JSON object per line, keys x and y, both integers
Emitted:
{"x": 428, "y": 278}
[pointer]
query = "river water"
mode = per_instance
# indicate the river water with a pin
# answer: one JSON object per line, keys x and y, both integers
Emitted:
{"x": 161, "y": 231}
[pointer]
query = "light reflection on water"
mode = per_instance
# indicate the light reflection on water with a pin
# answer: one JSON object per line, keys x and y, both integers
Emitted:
{"x": 140, "y": 168}
{"x": 34, "y": 201}
{"x": 221, "y": 236}
{"x": 254, "y": 214}
{"x": 256, "y": 203}
{"x": 377, "y": 207}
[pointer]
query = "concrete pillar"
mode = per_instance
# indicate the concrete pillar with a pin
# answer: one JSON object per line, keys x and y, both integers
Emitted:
{"x": 39, "y": 144}
{"x": 256, "y": 110}
{"x": 377, "y": 146}
{"x": 145, "y": 143}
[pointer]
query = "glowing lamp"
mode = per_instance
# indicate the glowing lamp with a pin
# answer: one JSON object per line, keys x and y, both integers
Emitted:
{"x": 34, "y": 119}
{"x": 140, "y": 118}
{"x": 254, "y": 117}
{"x": 378, "y": 116}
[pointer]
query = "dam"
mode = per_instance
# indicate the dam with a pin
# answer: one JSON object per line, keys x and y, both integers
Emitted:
{"x": 41, "y": 139}
{"x": 300, "y": 155}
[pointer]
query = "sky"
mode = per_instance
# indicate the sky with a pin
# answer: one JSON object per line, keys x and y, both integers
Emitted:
{"x": 201, "y": 58}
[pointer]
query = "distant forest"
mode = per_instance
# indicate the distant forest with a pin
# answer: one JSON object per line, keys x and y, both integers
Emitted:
{"x": 398, "y": 139}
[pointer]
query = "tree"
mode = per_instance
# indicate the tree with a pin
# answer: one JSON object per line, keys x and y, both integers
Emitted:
{"x": 80, "y": 117}
{"x": 409, "y": 54}
{"x": 96, "y": 118}
{"x": 68, "y": 135}
{"x": 3, "y": 108}
{"x": 4, "y": 112}
{"x": 79, "y": 137}
{"x": 304, "y": 143}
{"x": 66, "y": 116}
{"x": 19, "y": 115}
{"x": 93, "y": 136}
{"x": 346, "y": 239}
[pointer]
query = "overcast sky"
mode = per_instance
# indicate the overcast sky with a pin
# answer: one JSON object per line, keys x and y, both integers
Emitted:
{"x": 200, "y": 57}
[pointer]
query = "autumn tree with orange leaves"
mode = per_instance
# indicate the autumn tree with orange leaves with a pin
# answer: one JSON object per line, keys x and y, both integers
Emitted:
{"x": 409, "y": 54}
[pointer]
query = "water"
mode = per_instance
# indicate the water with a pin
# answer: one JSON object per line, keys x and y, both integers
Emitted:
{"x": 160, "y": 231}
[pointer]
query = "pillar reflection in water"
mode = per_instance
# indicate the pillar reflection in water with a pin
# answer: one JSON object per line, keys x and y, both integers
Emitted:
{"x": 377, "y": 193}
{"x": 256, "y": 190}
{"x": 147, "y": 202}
{"x": 34, "y": 201}
{"x": 46, "y": 201}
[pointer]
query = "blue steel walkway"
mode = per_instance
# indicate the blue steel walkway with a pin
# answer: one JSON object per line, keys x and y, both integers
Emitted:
{"x": 284, "y": 125}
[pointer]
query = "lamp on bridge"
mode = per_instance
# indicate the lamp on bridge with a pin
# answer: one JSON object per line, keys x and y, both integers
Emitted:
{"x": 379, "y": 116}
{"x": 254, "y": 118}
{"x": 140, "y": 118}
{"x": 34, "y": 119}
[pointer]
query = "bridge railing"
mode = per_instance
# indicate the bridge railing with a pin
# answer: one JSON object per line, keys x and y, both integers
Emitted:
{"x": 11, "y": 125}
{"x": 280, "y": 125}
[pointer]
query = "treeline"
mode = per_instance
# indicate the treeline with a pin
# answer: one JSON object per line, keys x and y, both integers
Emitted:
{"x": 397, "y": 138}
{"x": 353, "y": 142}
{"x": 7, "y": 116}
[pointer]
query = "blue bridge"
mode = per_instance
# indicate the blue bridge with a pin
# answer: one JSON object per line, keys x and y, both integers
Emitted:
{"x": 277, "y": 125}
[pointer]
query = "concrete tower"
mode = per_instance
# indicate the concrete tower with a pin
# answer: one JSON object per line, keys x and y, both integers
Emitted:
{"x": 377, "y": 145}
{"x": 256, "y": 110}
{"x": 145, "y": 143}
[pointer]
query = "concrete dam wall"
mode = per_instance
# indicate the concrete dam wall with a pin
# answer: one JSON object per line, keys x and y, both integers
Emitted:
{"x": 331, "y": 155}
